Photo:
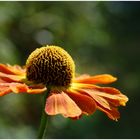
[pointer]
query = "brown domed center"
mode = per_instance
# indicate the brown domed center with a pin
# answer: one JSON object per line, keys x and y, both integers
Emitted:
{"x": 50, "y": 65}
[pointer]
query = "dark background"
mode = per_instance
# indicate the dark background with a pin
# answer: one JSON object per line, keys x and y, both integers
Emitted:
{"x": 102, "y": 37}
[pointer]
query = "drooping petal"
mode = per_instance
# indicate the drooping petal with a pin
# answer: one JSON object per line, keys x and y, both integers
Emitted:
{"x": 112, "y": 114}
{"x": 61, "y": 103}
{"x": 14, "y": 70}
{"x": 85, "y": 103}
{"x": 98, "y": 79}
{"x": 98, "y": 99}
{"x": 107, "y": 102}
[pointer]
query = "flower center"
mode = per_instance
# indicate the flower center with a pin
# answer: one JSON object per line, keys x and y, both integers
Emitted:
{"x": 50, "y": 65}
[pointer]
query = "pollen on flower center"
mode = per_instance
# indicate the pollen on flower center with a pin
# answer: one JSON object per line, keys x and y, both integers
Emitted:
{"x": 50, "y": 65}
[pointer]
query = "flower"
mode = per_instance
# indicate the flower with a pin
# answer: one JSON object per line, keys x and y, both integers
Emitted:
{"x": 71, "y": 96}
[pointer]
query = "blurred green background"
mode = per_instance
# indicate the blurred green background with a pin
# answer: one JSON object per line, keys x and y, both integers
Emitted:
{"x": 102, "y": 37}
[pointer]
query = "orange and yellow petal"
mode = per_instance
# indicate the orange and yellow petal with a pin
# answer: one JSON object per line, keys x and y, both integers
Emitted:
{"x": 98, "y": 99}
{"x": 11, "y": 78}
{"x": 36, "y": 90}
{"x": 85, "y": 103}
{"x": 98, "y": 79}
{"x": 107, "y": 102}
{"x": 2, "y": 81}
{"x": 113, "y": 113}
{"x": 6, "y": 88}
{"x": 112, "y": 95}
{"x": 81, "y": 77}
{"x": 14, "y": 70}
{"x": 18, "y": 87}
{"x": 61, "y": 103}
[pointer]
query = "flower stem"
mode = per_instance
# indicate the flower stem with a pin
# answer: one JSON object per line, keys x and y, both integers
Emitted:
{"x": 44, "y": 117}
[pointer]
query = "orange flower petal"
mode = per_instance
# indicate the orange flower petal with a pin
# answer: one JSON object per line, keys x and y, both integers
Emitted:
{"x": 18, "y": 87}
{"x": 112, "y": 95}
{"x": 4, "y": 90}
{"x": 98, "y": 79}
{"x": 112, "y": 114}
{"x": 85, "y": 103}
{"x": 61, "y": 103}
{"x": 11, "y": 78}
{"x": 2, "y": 81}
{"x": 109, "y": 90}
{"x": 15, "y": 70}
{"x": 36, "y": 91}
{"x": 83, "y": 76}
{"x": 98, "y": 99}
{"x": 107, "y": 102}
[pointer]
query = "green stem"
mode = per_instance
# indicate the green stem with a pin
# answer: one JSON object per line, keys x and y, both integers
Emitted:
{"x": 44, "y": 117}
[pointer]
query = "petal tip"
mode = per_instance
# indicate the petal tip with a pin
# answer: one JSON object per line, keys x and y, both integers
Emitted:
{"x": 111, "y": 78}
